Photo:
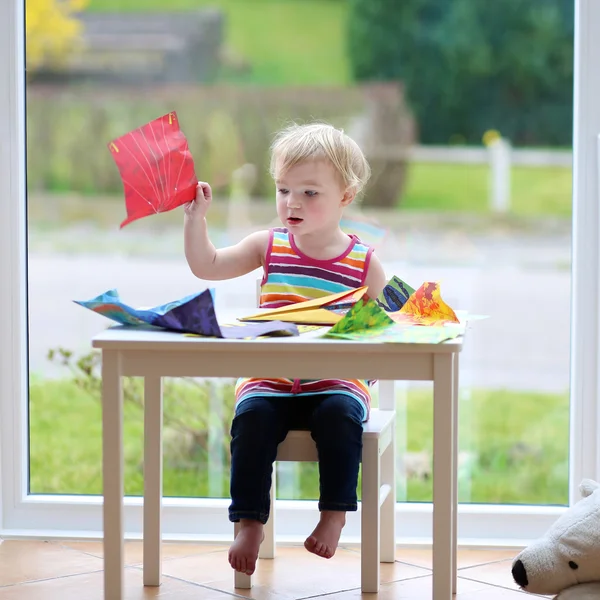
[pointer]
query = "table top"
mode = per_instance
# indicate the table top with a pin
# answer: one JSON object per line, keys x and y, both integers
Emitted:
{"x": 150, "y": 338}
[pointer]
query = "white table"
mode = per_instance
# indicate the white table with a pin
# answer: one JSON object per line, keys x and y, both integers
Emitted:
{"x": 154, "y": 354}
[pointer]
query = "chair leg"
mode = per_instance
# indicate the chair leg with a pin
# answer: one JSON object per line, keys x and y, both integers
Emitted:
{"x": 267, "y": 548}
{"x": 370, "y": 517}
{"x": 388, "y": 508}
{"x": 240, "y": 580}
{"x": 387, "y": 395}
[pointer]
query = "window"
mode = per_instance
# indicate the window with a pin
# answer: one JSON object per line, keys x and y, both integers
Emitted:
{"x": 65, "y": 184}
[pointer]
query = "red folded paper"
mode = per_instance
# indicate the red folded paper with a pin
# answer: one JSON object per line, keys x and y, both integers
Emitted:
{"x": 156, "y": 167}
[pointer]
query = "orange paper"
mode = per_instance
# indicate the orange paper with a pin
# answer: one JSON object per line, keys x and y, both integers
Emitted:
{"x": 426, "y": 307}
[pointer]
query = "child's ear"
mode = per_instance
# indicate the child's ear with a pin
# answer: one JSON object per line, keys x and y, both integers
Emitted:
{"x": 349, "y": 196}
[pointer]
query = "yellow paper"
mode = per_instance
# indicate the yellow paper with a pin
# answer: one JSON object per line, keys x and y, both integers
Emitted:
{"x": 318, "y": 316}
{"x": 311, "y": 312}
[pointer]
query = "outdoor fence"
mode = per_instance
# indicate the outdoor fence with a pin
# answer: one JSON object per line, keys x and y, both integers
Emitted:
{"x": 226, "y": 126}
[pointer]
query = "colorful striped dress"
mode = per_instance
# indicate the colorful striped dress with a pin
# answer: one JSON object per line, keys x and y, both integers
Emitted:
{"x": 290, "y": 277}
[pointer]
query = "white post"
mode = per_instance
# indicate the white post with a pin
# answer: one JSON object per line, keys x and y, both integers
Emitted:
{"x": 499, "y": 153}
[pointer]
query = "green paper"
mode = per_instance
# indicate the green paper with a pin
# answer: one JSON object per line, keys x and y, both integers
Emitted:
{"x": 362, "y": 316}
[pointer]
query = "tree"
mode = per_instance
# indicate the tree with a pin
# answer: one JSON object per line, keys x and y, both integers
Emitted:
{"x": 52, "y": 30}
{"x": 470, "y": 66}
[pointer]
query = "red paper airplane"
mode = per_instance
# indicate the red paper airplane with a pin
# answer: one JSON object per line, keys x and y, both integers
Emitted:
{"x": 156, "y": 167}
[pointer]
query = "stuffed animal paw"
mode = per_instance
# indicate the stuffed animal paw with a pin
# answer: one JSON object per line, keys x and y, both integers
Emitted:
{"x": 584, "y": 591}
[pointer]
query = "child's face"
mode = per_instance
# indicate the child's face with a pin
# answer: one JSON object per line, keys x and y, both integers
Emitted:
{"x": 311, "y": 197}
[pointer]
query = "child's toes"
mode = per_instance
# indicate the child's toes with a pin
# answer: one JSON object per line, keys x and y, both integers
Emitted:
{"x": 311, "y": 544}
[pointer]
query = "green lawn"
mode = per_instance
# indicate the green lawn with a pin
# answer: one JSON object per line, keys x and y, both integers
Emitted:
{"x": 457, "y": 187}
{"x": 289, "y": 42}
{"x": 517, "y": 444}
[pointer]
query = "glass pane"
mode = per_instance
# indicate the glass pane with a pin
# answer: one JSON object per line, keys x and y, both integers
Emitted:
{"x": 469, "y": 140}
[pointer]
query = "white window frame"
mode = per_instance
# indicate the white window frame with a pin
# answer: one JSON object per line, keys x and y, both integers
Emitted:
{"x": 22, "y": 515}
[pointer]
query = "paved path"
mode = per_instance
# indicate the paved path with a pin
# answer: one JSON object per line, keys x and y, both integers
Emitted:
{"x": 525, "y": 345}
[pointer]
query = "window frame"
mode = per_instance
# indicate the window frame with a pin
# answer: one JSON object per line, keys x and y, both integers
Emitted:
{"x": 24, "y": 515}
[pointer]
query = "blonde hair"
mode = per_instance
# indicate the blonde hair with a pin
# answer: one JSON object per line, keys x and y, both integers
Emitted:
{"x": 298, "y": 143}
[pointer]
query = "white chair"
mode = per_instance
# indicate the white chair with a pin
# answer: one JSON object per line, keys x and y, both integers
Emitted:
{"x": 378, "y": 490}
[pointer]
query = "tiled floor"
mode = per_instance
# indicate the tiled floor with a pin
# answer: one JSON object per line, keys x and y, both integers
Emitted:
{"x": 73, "y": 571}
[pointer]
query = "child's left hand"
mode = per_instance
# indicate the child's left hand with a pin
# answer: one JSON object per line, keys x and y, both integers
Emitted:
{"x": 200, "y": 205}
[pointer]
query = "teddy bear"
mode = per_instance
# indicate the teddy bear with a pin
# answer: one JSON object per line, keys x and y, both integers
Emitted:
{"x": 566, "y": 560}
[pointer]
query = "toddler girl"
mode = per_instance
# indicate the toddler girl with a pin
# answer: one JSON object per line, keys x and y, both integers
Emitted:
{"x": 318, "y": 171}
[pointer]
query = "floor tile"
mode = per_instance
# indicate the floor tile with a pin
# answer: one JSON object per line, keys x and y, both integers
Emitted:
{"x": 31, "y": 560}
{"x": 134, "y": 551}
{"x": 421, "y": 557}
{"x": 294, "y": 573}
{"x": 91, "y": 586}
{"x": 73, "y": 571}
{"x": 497, "y": 573}
{"x": 412, "y": 589}
{"x": 495, "y": 593}
{"x": 474, "y": 557}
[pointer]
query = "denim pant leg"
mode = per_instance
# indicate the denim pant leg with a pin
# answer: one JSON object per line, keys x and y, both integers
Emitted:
{"x": 259, "y": 425}
{"x": 336, "y": 427}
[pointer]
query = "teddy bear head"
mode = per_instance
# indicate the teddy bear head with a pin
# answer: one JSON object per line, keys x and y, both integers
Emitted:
{"x": 569, "y": 553}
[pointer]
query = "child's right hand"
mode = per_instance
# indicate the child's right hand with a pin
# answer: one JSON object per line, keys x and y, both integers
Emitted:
{"x": 200, "y": 205}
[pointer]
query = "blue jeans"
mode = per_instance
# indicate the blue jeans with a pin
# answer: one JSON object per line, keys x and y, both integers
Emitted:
{"x": 262, "y": 422}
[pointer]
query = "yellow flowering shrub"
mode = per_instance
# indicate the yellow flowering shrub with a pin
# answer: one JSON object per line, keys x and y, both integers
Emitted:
{"x": 52, "y": 30}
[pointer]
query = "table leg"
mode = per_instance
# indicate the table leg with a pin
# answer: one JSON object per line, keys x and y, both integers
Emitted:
{"x": 153, "y": 465}
{"x": 370, "y": 531}
{"x": 456, "y": 400}
{"x": 443, "y": 469}
{"x": 112, "y": 474}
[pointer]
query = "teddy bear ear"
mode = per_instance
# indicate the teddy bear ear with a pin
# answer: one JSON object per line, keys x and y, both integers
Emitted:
{"x": 587, "y": 487}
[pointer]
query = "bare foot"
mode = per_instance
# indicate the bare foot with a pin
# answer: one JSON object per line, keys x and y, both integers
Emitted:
{"x": 244, "y": 550}
{"x": 323, "y": 541}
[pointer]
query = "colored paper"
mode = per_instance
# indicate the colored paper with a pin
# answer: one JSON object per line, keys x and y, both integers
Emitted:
{"x": 395, "y": 294}
{"x": 363, "y": 316}
{"x": 156, "y": 167}
{"x": 373, "y": 321}
{"x": 192, "y": 314}
{"x": 302, "y": 329}
{"x": 249, "y": 327}
{"x": 425, "y": 307}
{"x": 327, "y": 310}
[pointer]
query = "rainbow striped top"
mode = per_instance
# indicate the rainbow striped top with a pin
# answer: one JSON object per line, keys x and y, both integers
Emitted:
{"x": 290, "y": 277}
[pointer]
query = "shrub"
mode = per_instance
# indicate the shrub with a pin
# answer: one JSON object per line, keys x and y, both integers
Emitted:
{"x": 469, "y": 66}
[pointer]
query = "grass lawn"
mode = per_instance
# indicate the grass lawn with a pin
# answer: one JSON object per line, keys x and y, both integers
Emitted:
{"x": 457, "y": 187}
{"x": 517, "y": 444}
{"x": 288, "y": 42}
